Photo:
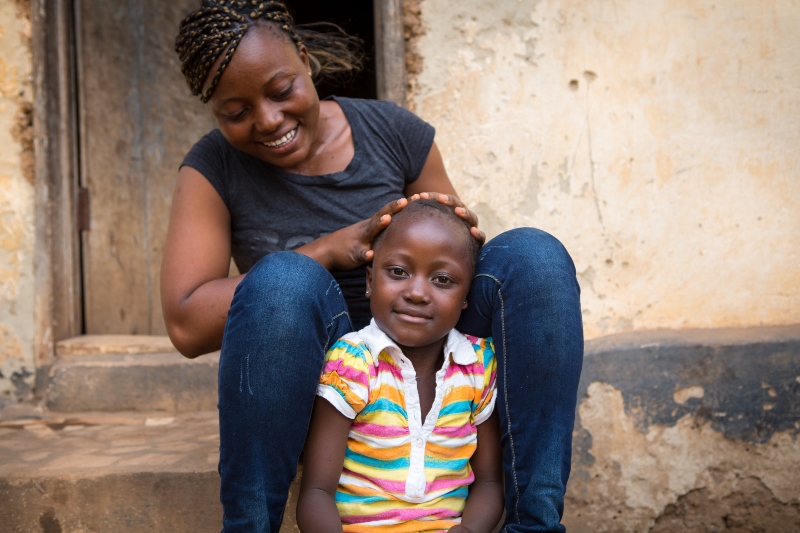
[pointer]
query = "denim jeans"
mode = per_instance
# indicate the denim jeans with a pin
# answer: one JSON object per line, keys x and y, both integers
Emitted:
{"x": 288, "y": 310}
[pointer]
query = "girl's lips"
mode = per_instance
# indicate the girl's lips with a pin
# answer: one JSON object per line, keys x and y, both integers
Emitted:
{"x": 412, "y": 317}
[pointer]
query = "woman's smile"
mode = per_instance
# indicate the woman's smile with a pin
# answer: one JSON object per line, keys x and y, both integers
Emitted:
{"x": 283, "y": 141}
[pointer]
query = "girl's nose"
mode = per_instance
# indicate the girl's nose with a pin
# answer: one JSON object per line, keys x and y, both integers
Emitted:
{"x": 416, "y": 290}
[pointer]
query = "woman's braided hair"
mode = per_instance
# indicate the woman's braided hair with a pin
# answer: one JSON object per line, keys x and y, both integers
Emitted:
{"x": 219, "y": 26}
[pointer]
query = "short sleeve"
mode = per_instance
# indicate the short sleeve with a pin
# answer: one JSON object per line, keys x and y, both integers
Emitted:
{"x": 483, "y": 405}
{"x": 345, "y": 377}
{"x": 208, "y": 157}
{"x": 391, "y": 132}
{"x": 415, "y": 139}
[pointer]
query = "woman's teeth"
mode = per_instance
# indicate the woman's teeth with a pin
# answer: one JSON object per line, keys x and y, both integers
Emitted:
{"x": 283, "y": 140}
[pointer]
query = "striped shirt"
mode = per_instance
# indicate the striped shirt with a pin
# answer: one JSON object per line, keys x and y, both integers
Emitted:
{"x": 402, "y": 474}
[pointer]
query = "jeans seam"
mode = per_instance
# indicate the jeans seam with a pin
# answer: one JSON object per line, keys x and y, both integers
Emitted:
{"x": 328, "y": 326}
{"x": 505, "y": 400}
{"x": 505, "y": 389}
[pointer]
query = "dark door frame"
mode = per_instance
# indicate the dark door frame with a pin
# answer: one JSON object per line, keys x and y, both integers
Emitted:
{"x": 58, "y": 212}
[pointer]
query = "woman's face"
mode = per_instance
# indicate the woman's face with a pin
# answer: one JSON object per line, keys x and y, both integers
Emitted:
{"x": 265, "y": 103}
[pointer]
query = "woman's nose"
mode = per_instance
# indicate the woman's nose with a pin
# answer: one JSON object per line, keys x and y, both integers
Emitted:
{"x": 268, "y": 118}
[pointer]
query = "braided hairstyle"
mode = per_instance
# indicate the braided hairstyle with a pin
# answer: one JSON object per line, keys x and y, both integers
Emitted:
{"x": 219, "y": 25}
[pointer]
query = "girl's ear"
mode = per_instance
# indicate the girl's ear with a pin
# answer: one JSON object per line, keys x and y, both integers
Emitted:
{"x": 464, "y": 305}
{"x": 369, "y": 281}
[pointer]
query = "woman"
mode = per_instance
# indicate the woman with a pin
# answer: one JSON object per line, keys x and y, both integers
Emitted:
{"x": 285, "y": 171}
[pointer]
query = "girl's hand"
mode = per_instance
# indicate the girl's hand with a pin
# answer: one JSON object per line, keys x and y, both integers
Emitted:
{"x": 351, "y": 246}
{"x": 461, "y": 211}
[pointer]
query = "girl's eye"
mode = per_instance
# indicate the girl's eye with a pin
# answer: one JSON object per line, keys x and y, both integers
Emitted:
{"x": 442, "y": 280}
{"x": 397, "y": 272}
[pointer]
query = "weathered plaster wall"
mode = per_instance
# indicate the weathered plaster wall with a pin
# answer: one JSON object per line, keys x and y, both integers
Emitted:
{"x": 660, "y": 141}
{"x": 16, "y": 204}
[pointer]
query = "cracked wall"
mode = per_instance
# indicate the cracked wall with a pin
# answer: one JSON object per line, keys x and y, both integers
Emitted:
{"x": 657, "y": 140}
{"x": 16, "y": 204}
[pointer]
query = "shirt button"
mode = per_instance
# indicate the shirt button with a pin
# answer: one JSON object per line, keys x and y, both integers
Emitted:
{"x": 418, "y": 442}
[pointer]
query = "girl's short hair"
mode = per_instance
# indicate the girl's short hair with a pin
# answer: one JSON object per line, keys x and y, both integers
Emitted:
{"x": 218, "y": 27}
{"x": 428, "y": 207}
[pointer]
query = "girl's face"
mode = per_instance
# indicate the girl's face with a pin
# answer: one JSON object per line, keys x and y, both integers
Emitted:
{"x": 418, "y": 282}
{"x": 265, "y": 103}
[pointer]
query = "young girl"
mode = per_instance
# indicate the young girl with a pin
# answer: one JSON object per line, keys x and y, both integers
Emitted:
{"x": 406, "y": 403}
{"x": 295, "y": 190}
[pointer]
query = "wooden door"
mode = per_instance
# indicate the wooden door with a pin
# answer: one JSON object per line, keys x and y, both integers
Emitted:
{"x": 137, "y": 120}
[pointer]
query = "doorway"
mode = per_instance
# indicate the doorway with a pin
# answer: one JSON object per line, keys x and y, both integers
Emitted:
{"x": 136, "y": 120}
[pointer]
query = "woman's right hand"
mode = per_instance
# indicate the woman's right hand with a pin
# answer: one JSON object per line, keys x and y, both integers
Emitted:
{"x": 351, "y": 246}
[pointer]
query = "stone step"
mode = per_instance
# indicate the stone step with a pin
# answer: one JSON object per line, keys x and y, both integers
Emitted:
{"x": 129, "y": 373}
{"x": 113, "y": 472}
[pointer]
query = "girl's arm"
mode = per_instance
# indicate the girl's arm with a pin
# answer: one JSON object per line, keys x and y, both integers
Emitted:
{"x": 323, "y": 458}
{"x": 484, "y": 505}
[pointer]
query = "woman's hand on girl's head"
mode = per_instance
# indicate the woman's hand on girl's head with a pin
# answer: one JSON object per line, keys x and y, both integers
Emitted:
{"x": 351, "y": 246}
{"x": 461, "y": 211}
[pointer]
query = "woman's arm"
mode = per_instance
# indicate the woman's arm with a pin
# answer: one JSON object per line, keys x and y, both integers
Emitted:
{"x": 322, "y": 466}
{"x": 434, "y": 178}
{"x": 196, "y": 291}
{"x": 351, "y": 246}
{"x": 484, "y": 505}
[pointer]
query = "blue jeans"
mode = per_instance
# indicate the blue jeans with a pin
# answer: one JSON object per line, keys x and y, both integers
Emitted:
{"x": 288, "y": 310}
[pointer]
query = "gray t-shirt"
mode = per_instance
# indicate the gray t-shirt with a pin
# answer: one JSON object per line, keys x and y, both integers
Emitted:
{"x": 273, "y": 210}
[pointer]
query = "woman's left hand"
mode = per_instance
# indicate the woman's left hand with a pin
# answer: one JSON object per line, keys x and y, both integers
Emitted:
{"x": 461, "y": 211}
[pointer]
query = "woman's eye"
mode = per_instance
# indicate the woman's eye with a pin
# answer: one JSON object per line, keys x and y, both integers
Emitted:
{"x": 236, "y": 116}
{"x": 282, "y": 95}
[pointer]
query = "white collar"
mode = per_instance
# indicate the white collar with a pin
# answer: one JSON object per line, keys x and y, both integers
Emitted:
{"x": 457, "y": 346}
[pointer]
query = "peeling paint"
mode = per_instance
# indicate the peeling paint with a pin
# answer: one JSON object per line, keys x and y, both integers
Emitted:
{"x": 16, "y": 203}
{"x": 641, "y": 480}
{"x": 671, "y": 432}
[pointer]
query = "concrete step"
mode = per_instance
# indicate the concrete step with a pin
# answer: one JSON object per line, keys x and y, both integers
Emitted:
{"x": 113, "y": 472}
{"x": 129, "y": 373}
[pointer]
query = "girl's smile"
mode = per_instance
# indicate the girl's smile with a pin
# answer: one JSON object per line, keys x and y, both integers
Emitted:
{"x": 418, "y": 282}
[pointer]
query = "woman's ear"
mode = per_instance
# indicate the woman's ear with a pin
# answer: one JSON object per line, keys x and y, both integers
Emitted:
{"x": 369, "y": 281}
{"x": 303, "y": 52}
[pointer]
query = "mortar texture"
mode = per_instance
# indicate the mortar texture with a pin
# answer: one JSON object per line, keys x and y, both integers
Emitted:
{"x": 16, "y": 205}
{"x": 657, "y": 140}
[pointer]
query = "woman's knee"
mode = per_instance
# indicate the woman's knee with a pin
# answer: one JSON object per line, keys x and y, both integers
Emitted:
{"x": 285, "y": 290}
{"x": 531, "y": 249}
{"x": 286, "y": 276}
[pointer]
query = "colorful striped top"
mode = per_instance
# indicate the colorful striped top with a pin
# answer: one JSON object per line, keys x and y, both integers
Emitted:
{"x": 402, "y": 474}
